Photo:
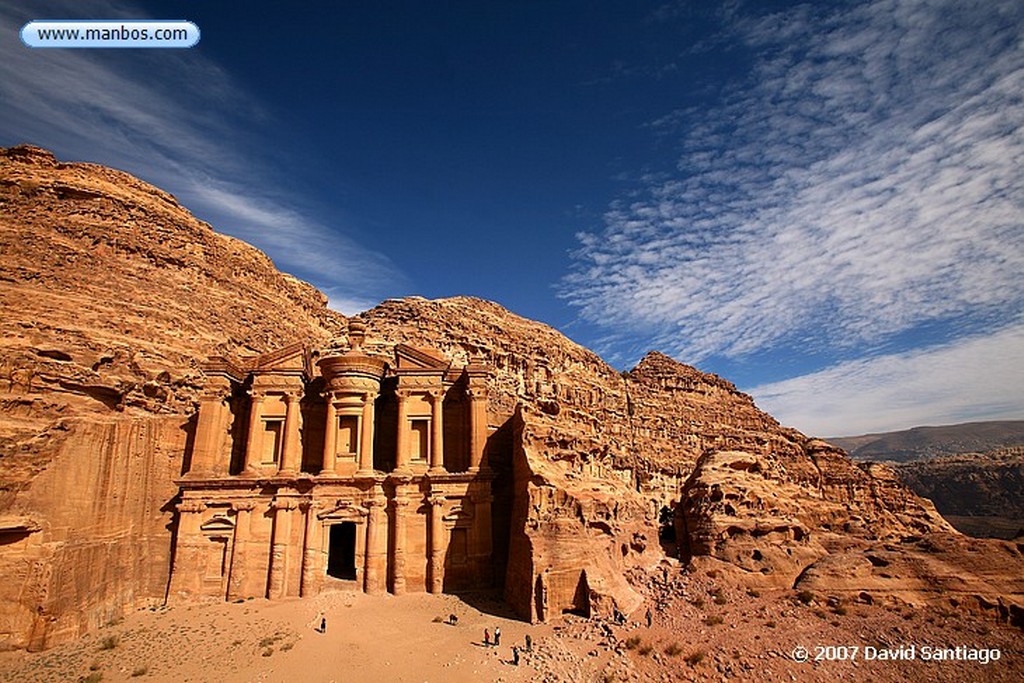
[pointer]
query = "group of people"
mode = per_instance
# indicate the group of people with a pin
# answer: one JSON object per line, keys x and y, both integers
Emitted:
{"x": 453, "y": 620}
{"x": 516, "y": 650}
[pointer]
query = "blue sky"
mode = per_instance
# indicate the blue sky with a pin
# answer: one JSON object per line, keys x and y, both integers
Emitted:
{"x": 821, "y": 202}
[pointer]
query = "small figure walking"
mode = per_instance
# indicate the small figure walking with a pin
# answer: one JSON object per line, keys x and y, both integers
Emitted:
{"x": 649, "y": 619}
{"x": 497, "y": 636}
{"x": 487, "y": 638}
{"x": 529, "y": 643}
{"x": 323, "y": 624}
{"x": 453, "y": 620}
{"x": 515, "y": 656}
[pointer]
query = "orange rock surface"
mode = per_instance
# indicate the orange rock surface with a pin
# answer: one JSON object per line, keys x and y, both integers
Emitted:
{"x": 112, "y": 294}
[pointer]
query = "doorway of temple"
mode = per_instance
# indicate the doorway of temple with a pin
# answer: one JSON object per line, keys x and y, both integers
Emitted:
{"x": 341, "y": 555}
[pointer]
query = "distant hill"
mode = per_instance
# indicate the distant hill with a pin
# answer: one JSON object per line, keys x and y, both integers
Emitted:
{"x": 922, "y": 443}
{"x": 981, "y": 494}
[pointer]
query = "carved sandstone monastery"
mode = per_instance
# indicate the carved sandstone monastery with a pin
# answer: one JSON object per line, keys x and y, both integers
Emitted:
{"x": 180, "y": 421}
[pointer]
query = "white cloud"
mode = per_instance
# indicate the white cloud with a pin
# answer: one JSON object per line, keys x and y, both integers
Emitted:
{"x": 973, "y": 378}
{"x": 862, "y": 181}
{"x": 176, "y": 119}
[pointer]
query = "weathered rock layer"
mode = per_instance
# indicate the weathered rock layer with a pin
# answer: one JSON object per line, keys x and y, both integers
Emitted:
{"x": 112, "y": 294}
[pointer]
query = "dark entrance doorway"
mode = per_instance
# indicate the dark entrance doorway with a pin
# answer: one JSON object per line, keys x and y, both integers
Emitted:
{"x": 341, "y": 555}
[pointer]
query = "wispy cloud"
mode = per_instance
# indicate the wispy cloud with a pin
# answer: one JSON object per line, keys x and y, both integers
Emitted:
{"x": 973, "y": 378}
{"x": 862, "y": 181}
{"x": 176, "y": 119}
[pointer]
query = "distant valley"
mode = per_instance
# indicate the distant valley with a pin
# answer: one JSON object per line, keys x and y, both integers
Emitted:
{"x": 973, "y": 472}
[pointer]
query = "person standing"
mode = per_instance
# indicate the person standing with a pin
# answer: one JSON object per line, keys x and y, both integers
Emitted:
{"x": 515, "y": 656}
{"x": 529, "y": 643}
{"x": 323, "y": 624}
{"x": 497, "y": 636}
{"x": 649, "y": 617}
{"x": 487, "y": 638}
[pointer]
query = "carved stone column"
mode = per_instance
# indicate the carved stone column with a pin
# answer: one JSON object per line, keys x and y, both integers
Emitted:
{"x": 210, "y": 426}
{"x": 398, "y": 523}
{"x": 221, "y": 443}
{"x": 253, "y": 437}
{"x": 290, "y": 451}
{"x": 330, "y": 437}
{"x": 477, "y": 426}
{"x": 240, "y": 550}
{"x": 376, "y": 547}
{"x": 186, "y": 576}
{"x": 311, "y": 553}
{"x": 277, "y": 583}
{"x": 437, "y": 544}
{"x": 402, "y": 442}
{"x": 366, "y": 436}
{"x": 437, "y": 432}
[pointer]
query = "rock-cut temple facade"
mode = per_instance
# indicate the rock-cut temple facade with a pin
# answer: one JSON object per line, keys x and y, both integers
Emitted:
{"x": 337, "y": 469}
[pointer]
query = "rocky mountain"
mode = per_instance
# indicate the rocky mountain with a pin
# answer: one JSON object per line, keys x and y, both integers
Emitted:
{"x": 112, "y": 293}
{"x": 921, "y": 443}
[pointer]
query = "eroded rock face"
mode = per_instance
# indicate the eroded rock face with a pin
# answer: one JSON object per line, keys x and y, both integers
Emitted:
{"x": 601, "y": 456}
{"x": 980, "y": 493}
{"x": 113, "y": 293}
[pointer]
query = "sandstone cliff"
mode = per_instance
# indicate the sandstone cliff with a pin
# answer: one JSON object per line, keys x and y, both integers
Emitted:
{"x": 607, "y": 467}
{"x": 113, "y": 293}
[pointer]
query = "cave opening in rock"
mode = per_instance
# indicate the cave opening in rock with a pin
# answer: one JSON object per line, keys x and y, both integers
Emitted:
{"x": 341, "y": 558}
{"x": 581, "y": 598}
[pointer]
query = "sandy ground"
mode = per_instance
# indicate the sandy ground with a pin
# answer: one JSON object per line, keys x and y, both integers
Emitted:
{"x": 368, "y": 638}
{"x": 700, "y": 631}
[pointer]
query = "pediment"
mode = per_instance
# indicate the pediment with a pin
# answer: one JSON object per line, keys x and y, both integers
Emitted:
{"x": 419, "y": 358}
{"x": 292, "y": 358}
{"x": 344, "y": 510}
{"x": 218, "y": 525}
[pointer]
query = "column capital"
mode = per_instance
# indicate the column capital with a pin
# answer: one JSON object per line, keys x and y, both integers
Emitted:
{"x": 311, "y": 506}
{"x": 244, "y": 505}
{"x": 437, "y": 500}
{"x": 284, "y": 504}
{"x": 369, "y": 397}
{"x": 217, "y": 384}
{"x": 214, "y": 394}
{"x": 257, "y": 394}
{"x": 292, "y": 396}
{"x": 374, "y": 502}
{"x": 476, "y": 393}
{"x": 191, "y": 506}
{"x": 435, "y": 394}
